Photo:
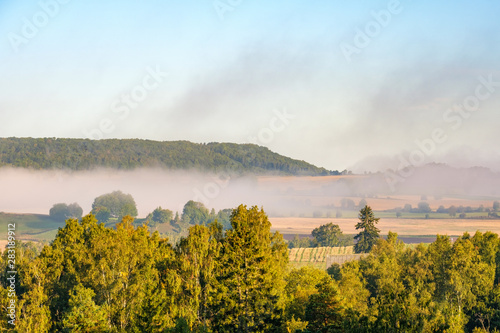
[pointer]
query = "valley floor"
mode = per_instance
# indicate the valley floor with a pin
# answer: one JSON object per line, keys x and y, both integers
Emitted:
{"x": 409, "y": 227}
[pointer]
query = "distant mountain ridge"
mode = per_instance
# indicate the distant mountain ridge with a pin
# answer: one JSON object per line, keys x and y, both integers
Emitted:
{"x": 85, "y": 154}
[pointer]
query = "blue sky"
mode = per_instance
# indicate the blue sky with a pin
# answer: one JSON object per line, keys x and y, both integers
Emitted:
{"x": 272, "y": 73}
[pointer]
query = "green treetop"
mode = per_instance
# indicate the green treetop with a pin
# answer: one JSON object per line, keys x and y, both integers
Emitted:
{"x": 369, "y": 234}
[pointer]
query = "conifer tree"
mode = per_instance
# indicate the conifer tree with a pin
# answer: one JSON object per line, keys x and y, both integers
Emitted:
{"x": 325, "y": 309}
{"x": 253, "y": 263}
{"x": 369, "y": 234}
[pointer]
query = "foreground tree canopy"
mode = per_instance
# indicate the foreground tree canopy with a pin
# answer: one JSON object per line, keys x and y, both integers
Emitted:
{"x": 97, "y": 279}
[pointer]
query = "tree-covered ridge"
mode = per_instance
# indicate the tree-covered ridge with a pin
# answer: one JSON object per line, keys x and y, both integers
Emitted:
{"x": 84, "y": 154}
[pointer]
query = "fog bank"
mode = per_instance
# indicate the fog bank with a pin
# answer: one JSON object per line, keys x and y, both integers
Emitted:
{"x": 28, "y": 191}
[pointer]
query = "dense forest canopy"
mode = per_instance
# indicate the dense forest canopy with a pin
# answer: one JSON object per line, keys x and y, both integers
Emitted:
{"x": 125, "y": 279}
{"x": 84, "y": 154}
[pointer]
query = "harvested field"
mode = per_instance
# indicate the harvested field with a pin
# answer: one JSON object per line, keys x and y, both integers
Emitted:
{"x": 317, "y": 254}
{"x": 414, "y": 227}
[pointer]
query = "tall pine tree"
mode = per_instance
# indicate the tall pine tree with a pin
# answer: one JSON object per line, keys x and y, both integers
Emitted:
{"x": 251, "y": 283}
{"x": 369, "y": 234}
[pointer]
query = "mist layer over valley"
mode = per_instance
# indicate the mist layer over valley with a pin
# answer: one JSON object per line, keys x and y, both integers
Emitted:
{"x": 28, "y": 191}
{"x": 35, "y": 191}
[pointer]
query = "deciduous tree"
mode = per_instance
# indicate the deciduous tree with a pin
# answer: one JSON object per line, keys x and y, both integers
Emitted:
{"x": 328, "y": 235}
{"x": 117, "y": 203}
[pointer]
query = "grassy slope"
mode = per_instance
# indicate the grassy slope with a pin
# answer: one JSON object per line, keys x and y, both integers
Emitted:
{"x": 39, "y": 227}
{"x": 31, "y": 226}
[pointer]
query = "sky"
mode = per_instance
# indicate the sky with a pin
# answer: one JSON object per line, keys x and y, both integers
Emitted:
{"x": 360, "y": 85}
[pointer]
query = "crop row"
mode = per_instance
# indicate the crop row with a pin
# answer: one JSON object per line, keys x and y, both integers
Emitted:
{"x": 317, "y": 254}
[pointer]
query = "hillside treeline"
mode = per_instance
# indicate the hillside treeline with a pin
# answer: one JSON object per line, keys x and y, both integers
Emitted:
{"x": 84, "y": 154}
{"x": 97, "y": 279}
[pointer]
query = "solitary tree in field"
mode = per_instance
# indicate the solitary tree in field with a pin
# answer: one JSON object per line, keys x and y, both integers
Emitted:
{"x": 328, "y": 235}
{"x": 452, "y": 211}
{"x": 369, "y": 234}
{"x": 423, "y": 207}
{"x": 362, "y": 203}
{"x": 159, "y": 215}
{"x": 61, "y": 211}
{"x": 195, "y": 213}
{"x": 117, "y": 204}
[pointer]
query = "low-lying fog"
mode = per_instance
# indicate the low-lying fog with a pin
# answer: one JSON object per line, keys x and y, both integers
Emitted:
{"x": 28, "y": 191}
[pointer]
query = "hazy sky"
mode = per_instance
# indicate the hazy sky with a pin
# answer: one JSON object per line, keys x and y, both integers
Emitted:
{"x": 332, "y": 82}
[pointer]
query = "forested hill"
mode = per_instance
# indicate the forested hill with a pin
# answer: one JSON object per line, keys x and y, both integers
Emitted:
{"x": 84, "y": 154}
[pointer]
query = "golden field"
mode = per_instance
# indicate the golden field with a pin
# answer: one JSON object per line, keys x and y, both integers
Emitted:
{"x": 410, "y": 227}
{"x": 310, "y": 194}
{"x": 316, "y": 254}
